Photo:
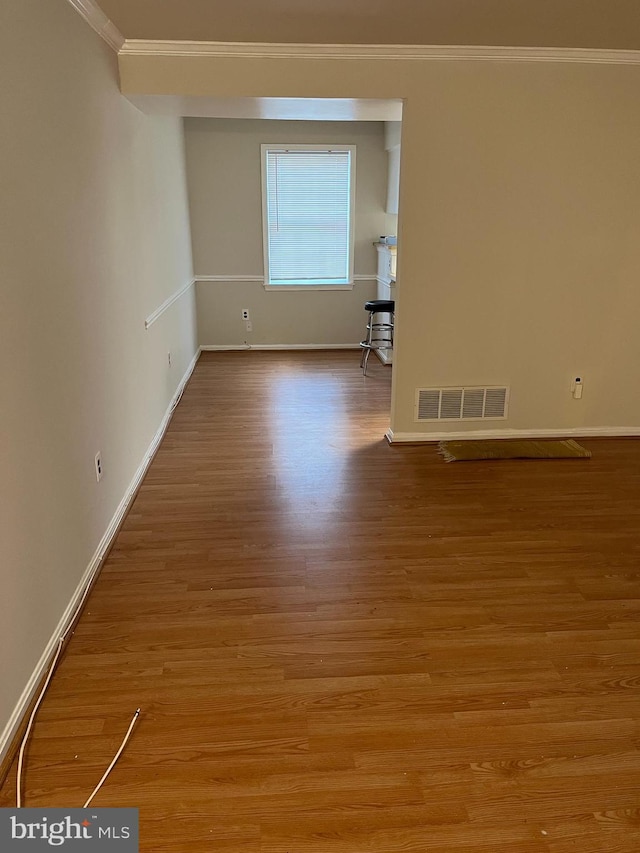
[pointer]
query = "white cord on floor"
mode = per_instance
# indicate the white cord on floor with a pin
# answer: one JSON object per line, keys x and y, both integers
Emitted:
{"x": 25, "y": 739}
{"x": 27, "y": 734}
{"x": 116, "y": 757}
{"x": 52, "y": 669}
{"x": 175, "y": 404}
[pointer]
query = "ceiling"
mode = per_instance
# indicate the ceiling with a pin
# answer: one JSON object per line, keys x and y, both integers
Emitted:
{"x": 605, "y": 24}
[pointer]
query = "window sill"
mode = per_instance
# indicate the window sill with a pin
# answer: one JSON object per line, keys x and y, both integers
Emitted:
{"x": 307, "y": 287}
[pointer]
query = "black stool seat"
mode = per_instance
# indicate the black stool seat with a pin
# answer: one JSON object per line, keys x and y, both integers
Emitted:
{"x": 381, "y": 305}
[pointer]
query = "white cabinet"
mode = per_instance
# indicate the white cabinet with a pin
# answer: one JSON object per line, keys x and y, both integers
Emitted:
{"x": 386, "y": 268}
{"x": 386, "y": 279}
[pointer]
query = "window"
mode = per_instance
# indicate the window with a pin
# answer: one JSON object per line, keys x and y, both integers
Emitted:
{"x": 308, "y": 200}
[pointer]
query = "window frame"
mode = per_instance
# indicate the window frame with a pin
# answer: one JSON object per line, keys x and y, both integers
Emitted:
{"x": 269, "y": 147}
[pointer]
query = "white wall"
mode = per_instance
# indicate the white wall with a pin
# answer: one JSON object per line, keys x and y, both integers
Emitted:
{"x": 223, "y": 167}
{"x": 94, "y": 237}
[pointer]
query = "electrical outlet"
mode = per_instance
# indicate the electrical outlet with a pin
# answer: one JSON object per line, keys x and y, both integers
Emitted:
{"x": 576, "y": 388}
{"x": 245, "y": 313}
{"x": 169, "y": 358}
{"x": 98, "y": 461}
{"x": 249, "y": 326}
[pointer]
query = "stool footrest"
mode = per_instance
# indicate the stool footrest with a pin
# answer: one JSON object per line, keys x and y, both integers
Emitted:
{"x": 374, "y": 341}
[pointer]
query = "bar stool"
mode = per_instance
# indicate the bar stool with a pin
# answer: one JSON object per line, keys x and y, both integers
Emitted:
{"x": 379, "y": 334}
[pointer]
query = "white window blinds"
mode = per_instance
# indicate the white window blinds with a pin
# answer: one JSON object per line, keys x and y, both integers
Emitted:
{"x": 308, "y": 216}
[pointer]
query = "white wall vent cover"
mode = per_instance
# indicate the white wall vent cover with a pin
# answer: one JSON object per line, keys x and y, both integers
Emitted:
{"x": 462, "y": 404}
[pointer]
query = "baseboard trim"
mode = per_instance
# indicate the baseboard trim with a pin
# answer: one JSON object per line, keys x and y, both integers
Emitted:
{"x": 576, "y": 432}
{"x": 8, "y": 738}
{"x": 244, "y": 347}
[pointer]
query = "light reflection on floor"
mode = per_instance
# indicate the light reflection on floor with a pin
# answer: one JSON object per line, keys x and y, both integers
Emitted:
{"x": 308, "y": 422}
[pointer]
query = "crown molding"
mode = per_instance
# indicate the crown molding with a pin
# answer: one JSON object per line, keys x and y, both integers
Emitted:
{"x": 99, "y": 22}
{"x": 251, "y": 50}
{"x": 107, "y": 30}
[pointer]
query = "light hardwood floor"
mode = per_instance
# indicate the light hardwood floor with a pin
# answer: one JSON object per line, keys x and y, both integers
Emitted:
{"x": 344, "y": 647}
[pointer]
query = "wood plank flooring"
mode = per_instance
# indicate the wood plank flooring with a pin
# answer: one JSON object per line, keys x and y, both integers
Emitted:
{"x": 345, "y": 647}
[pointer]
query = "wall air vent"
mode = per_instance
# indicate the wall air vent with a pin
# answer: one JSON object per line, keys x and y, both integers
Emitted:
{"x": 461, "y": 404}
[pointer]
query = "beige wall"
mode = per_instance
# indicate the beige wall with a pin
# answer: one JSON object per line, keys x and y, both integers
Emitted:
{"x": 532, "y": 264}
{"x": 299, "y": 319}
{"x": 94, "y": 237}
{"x": 223, "y": 167}
{"x": 518, "y": 254}
{"x": 527, "y": 243}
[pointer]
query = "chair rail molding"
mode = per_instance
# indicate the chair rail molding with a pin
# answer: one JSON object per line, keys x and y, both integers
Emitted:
{"x": 229, "y": 278}
{"x": 168, "y": 303}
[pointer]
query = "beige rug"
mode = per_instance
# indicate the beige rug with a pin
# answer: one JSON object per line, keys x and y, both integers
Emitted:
{"x": 467, "y": 451}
